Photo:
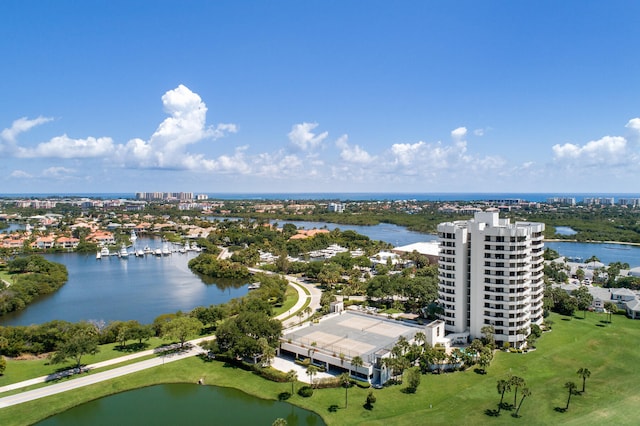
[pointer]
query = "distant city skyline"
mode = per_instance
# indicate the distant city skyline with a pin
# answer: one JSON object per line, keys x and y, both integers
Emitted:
{"x": 308, "y": 97}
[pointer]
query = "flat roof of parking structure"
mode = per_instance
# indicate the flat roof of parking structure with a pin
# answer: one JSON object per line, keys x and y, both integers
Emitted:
{"x": 352, "y": 334}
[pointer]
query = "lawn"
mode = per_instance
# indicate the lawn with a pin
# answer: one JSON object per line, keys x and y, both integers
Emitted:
{"x": 612, "y": 392}
{"x": 290, "y": 299}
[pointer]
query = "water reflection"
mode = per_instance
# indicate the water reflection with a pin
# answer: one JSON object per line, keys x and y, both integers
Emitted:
{"x": 183, "y": 404}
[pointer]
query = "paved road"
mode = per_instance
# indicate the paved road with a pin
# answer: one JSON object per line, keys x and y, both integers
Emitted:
{"x": 74, "y": 383}
{"x": 81, "y": 381}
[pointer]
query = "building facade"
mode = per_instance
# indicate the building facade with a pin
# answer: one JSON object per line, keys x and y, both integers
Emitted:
{"x": 491, "y": 274}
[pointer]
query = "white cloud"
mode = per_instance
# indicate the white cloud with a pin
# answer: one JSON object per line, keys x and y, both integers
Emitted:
{"x": 634, "y": 124}
{"x": 478, "y": 132}
{"x": 57, "y": 172}
{"x": 608, "y": 150}
{"x": 404, "y": 154}
{"x": 459, "y": 133}
{"x": 22, "y": 125}
{"x": 352, "y": 154}
{"x": 66, "y": 147}
{"x": 302, "y": 137}
{"x": 20, "y": 174}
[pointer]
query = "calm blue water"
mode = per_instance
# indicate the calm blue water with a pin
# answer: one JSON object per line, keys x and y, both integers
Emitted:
{"x": 565, "y": 230}
{"x": 354, "y": 196}
{"x": 116, "y": 289}
{"x": 392, "y": 234}
{"x": 607, "y": 253}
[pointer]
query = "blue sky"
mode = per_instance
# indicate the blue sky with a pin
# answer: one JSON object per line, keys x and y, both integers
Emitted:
{"x": 319, "y": 96}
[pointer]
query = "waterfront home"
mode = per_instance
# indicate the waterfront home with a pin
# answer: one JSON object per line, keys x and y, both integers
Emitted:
{"x": 102, "y": 237}
{"x": 67, "y": 242}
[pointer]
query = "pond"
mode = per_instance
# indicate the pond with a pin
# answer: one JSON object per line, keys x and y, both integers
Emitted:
{"x": 183, "y": 404}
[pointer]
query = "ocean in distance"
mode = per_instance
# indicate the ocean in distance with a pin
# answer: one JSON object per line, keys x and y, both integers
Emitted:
{"x": 348, "y": 196}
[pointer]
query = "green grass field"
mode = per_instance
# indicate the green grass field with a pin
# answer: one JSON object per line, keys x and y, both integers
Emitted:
{"x": 612, "y": 392}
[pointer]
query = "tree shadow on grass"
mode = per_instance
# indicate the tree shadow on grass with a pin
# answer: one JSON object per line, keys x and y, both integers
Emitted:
{"x": 367, "y": 406}
{"x": 560, "y": 409}
{"x": 479, "y": 371}
{"x": 600, "y": 325}
{"x": 491, "y": 412}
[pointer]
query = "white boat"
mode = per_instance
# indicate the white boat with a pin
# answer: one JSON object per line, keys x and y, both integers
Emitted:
{"x": 133, "y": 235}
{"x": 165, "y": 250}
{"x": 158, "y": 252}
{"x": 123, "y": 253}
{"x": 195, "y": 247}
{"x": 98, "y": 255}
{"x": 104, "y": 251}
{"x": 147, "y": 250}
{"x": 140, "y": 253}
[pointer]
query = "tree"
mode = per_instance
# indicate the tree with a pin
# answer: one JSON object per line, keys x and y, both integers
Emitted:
{"x": 345, "y": 381}
{"x": 580, "y": 274}
{"x": 611, "y": 309}
{"x": 525, "y": 393}
{"x": 516, "y": 382}
{"x": 502, "y": 386}
{"x": 486, "y": 355}
{"x": 371, "y": 399}
{"x": 3, "y": 365}
{"x": 571, "y": 387}
{"x": 292, "y": 376}
{"x": 79, "y": 340}
{"x": 584, "y": 299}
{"x": 356, "y": 362}
{"x": 585, "y": 373}
{"x": 312, "y": 370}
{"x": 488, "y": 332}
{"x": 413, "y": 379}
{"x": 593, "y": 259}
{"x": 181, "y": 328}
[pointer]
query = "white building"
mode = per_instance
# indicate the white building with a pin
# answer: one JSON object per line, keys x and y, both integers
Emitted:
{"x": 491, "y": 273}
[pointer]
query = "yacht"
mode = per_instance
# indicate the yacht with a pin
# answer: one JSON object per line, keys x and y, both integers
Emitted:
{"x": 195, "y": 247}
{"x": 98, "y": 255}
{"x": 165, "y": 250}
{"x": 158, "y": 252}
{"x": 147, "y": 250}
{"x": 123, "y": 253}
{"x": 133, "y": 235}
{"x": 140, "y": 253}
{"x": 104, "y": 251}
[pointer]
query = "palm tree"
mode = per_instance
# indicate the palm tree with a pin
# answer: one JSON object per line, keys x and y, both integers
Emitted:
{"x": 312, "y": 370}
{"x": 356, "y": 361}
{"x": 307, "y": 311}
{"x": 420, "y": 338}
{"x": 592, "y": 259}
{"x": 345, "y": 381}
{"x": 611, "y": 309}
{"x": 584, "y": 373}
{"x": 502, "y": 386}
{"x": 292, "y": 376}
{"x": 525, "y": 393}
{"x": 516, "y": 382}
{"x": 571, "y": 387}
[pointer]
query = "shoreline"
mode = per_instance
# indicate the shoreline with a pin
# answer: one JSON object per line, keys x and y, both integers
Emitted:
{"x": 562, "y": 240}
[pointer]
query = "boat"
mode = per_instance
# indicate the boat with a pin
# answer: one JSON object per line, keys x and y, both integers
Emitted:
{"x": 147, "y": 250}
{"x": 104, "y": 252}
{"x": 140, "y": 253}
{"x": 158, "y": 252}
{"x": 98, "y": 255}
{"x": 133, "y": 235}
{"x": 195, "y": 247}
{"x": 254, "y": 286}
{"x": 165, "y": 250}
{"x": 123, "y": 253}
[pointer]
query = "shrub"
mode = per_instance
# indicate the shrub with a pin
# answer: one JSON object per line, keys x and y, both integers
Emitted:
{"x": 283, "y": 396}
{"x": 305, "y": 391}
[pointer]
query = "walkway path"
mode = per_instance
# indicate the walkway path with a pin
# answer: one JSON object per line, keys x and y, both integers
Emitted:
{"x": 193, "y": 349}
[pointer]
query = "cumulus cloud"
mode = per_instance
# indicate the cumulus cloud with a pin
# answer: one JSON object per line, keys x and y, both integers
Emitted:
{"x": 352, "y": 154}
{"x": 66, "y": 147}
{"x": 22, "y": 125}
{"x": 634, "y": 124}
{"x": 302, "y": 137}
{"x": 185, "y": 126}
{"x": 459, "y": 133}
{"x": 606, "y": 151}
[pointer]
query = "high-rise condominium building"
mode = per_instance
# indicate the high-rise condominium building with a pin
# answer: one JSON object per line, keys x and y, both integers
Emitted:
{"x": 491, "y": 274}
